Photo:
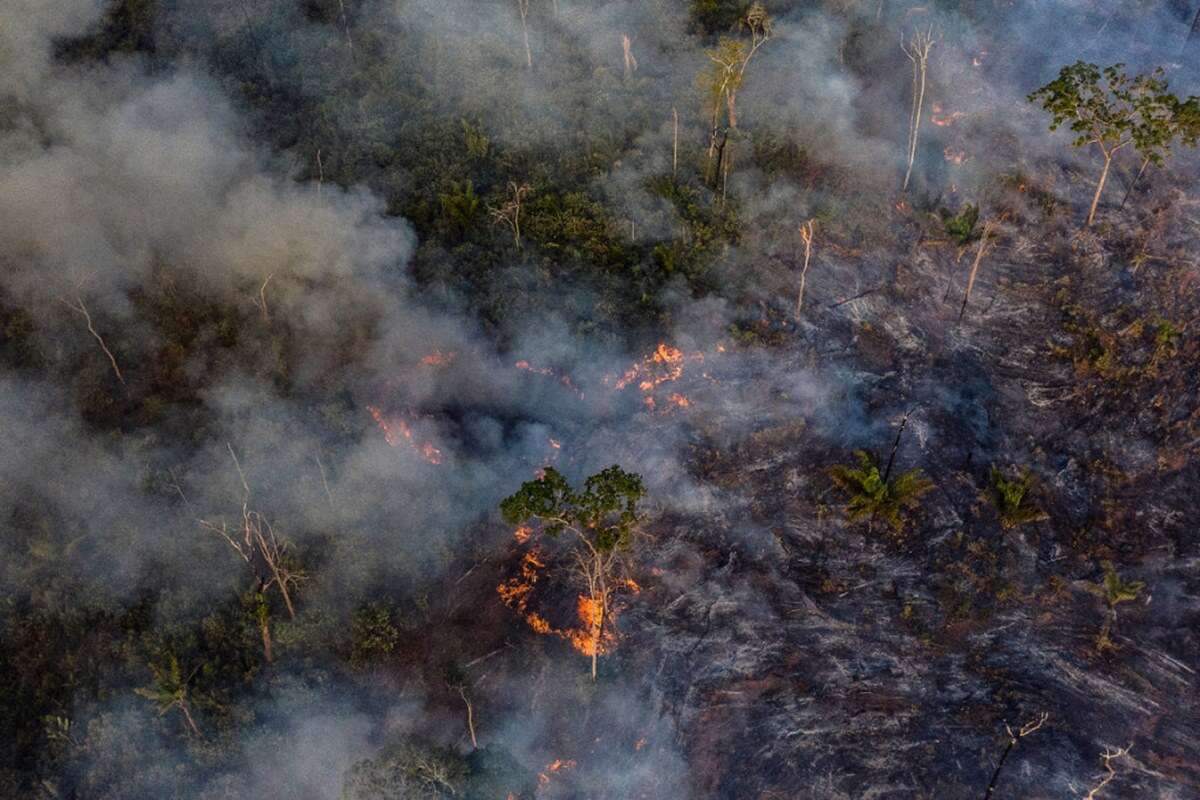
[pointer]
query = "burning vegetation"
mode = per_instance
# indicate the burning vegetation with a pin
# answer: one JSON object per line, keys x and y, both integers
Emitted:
{"x": 739, "y": 248}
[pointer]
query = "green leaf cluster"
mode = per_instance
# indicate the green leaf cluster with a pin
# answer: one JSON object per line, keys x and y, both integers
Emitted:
{"x": 1109, "y": 108}
{"x": 871, "y": 497}
{"x": 1114, "y": 589}
{"x": 961, "y": 226}
{"x": 1013, "y": 498}
{"x": 605, "y": 512}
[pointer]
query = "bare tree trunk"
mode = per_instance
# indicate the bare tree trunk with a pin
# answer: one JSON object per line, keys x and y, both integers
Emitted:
{"x": 79, "y": 307}
{"x": 346, "y": 26}
{"x": 523, "y": 7}
{"x": 983, "y": 240}
{"x": 1108, "y": 157}
{"x": 917, "y": 51}
{"x": 1136, "y": 178}
{"x": 806, "y": 233}
{"x": 1193, "y": 32}
{"x": 675, "y": 143}
{"x": 470, "y": 717}
{"x": 187, "y": 715}
{"x": 264, "y": 625}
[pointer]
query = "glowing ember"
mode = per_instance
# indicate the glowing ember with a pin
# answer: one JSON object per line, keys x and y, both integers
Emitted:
{"x": 632, "y": 586}
{"x": 565, "y": 380}
{"x": 941, "y": 118}
{"x": 522, "y": 534}
{"x": 640, "y": 743}
{"x": 955, "y": 157}
{"x": 396, "y": 430}
{"x": 557, "y": 445}
{"x": 978, "y": 60}
{"x": 554, "y": 766}
{"x": 679, "y": 400}
{"x": 439, "y": 359}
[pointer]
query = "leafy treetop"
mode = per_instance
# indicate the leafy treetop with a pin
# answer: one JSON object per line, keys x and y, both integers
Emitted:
{"x": 604, "y": 514}
{"x": 1110, "y": 109}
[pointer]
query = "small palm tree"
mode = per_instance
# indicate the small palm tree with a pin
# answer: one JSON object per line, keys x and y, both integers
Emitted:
{"x": 170, "y": 691}
{"x": 872, "y": 495}
{"x": 1115, "y": 590}
{"x": 1013, "y": 499}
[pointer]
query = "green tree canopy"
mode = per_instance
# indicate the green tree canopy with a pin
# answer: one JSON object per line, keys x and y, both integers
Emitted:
{"x": 1111, "y": 110}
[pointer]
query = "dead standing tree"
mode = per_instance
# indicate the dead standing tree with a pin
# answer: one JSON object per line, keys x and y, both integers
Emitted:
{"x": 722, "y": 81}
{"x": 806, "y": 235}
{"x": 1014, "y": 738}
{"x": 266, "y": 554}
{"x": 631, "y": 63}
{"x": 1108, "y": 756}
{"x": 523, "y": 7}
{"x": 917, "y": 50}
{"x": 988, "y": 228}
{"x": 510, "y": 212}
{"x": 81, "y": 309}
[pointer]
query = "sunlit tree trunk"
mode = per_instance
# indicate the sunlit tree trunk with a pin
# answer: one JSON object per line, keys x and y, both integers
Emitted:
{"x": 1108, "y": 157}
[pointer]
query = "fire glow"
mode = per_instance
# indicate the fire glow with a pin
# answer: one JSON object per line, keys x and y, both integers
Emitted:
{"x": 942, "y": 118}
{"x": 665, "y": 365}
{"x": 587, "y": 638}
{"x": 564, "y": 379}
{"x": 396, "y": 431}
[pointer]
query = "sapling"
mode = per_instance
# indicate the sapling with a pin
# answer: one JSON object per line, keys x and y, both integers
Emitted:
{"x": 1114, "y": 590}
{"x": 1013, "y": 498}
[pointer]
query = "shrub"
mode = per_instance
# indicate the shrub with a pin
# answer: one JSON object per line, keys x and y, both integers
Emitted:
{"x": 1013, "y": 500}
{"x": 870, "y": 496}
{"x": 961, "y": 226}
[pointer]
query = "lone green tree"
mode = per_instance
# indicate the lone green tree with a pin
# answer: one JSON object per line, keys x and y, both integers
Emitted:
{"x": 1112, "y": 111}
{"x": 602, "y": 520}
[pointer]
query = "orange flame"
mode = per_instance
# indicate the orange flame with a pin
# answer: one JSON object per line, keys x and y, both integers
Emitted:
{"x": 522, "y": 534}
{"x": 396, "y": 430}
{"x": 955, "y": 157}
{"x": 588, "y": 638}
{"x": 565, "y": 380}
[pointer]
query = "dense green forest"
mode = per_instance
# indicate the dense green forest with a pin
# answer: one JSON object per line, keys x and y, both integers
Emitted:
{"x": 502, "y": 399}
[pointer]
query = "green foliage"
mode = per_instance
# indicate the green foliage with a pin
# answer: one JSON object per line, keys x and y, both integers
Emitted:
{"x": 605, "y": 511}
{"x": 1110, "y": 109}
{"x": 871, "y": 497}
{"x": 961, "y": 226}
{"x": 1013, "y": 499}
{"x": 460, "y": 207}
{"x": 1115, "y": 590}
{"x": 475, "y": 140}
{"x": 374, "y": 634}
{"x": 573, "y": 228}
{"x": 713, "y": 16}
{"x": 170, "y": 685}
